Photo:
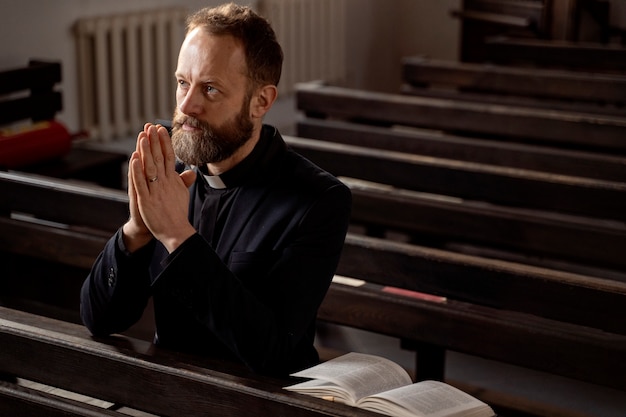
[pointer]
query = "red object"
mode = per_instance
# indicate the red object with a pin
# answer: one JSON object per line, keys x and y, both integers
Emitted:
{"x": 415, "y": 294}
{"x": 39, "y": 142}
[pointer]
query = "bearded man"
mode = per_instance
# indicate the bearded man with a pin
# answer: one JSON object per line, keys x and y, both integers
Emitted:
{"x": 234, "y": 236}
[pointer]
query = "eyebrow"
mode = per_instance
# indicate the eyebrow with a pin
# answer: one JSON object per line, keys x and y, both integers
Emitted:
{"x": 206, "y": 81}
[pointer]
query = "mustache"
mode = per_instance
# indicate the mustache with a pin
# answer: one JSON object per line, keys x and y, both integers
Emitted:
{"x": 189, "y": 121}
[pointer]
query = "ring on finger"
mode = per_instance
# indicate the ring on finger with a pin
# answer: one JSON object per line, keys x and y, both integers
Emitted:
{"x": 153, "y": 179}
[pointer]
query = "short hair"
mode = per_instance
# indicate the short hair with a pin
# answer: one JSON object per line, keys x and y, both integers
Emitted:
{"x": 263, "y": 53}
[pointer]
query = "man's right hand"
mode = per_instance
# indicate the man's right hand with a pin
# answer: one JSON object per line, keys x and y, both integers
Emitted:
{"x": 135, "y": 232}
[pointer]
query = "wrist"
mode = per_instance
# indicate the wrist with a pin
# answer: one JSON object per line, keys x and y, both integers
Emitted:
{"x": 172, "y": 242}
{"x": 135, "y": 237}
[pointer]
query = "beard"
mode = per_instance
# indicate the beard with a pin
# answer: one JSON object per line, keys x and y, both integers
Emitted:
{"x": 212, "y": 143}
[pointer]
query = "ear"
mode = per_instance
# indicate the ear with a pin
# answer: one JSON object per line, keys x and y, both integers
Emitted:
{"x": 263, "y": 100}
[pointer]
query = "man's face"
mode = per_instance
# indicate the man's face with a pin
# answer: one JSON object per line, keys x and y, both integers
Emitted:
{"x": 212, "y": 118}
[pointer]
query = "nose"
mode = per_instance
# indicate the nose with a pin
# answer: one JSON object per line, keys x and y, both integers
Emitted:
{"x": 189, "y": 101}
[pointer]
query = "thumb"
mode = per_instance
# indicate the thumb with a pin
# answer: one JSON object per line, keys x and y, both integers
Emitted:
{"x": 188, "y": 177}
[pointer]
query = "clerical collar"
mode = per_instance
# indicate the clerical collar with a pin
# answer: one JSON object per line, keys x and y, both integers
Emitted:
{"x": 245, "y": 169}
{"x": 214, "y": 181}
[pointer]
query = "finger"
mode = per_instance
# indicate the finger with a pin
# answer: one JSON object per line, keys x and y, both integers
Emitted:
{"x": 155, "y": 149}
{"x": 132, "y": 193}
{"x": 166, "y": 146}
{"x": 138, "y": 179}
{"x": 142, "y": 134}
{"x": 134, "y": 156}
{"x": 148, "y": 166}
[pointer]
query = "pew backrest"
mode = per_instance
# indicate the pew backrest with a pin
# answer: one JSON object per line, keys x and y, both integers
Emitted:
{"x": 601, "y": 133}
{"x": 470, "y": 149}
{"x": 588, "y": 56}
{"x": 41, "y": 102}
{"x": 135, "y": 374}
{"x": 470, "y": 180}
{"x": 533, "y": 87}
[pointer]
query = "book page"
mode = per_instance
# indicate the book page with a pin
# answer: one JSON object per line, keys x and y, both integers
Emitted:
{"x": 431, "y": 399}
{"x": 360, "y": 374}
{"x": 324, "y": 390}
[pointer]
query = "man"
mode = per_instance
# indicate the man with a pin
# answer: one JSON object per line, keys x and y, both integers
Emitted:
{"x": 238, "y": 250}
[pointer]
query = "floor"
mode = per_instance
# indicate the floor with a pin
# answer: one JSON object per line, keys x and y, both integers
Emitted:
{"x": 565, "y": 397}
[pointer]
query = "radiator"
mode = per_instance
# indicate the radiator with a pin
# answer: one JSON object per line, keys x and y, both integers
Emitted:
{"x": 313, "y": 36}
{"x": 126, "y": 67}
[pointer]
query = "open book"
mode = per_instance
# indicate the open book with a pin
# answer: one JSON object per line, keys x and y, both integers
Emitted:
{"x": 378, "y": 384}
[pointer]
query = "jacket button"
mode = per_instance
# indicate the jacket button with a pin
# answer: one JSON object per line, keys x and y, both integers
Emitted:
{"x": 111, "y": 277}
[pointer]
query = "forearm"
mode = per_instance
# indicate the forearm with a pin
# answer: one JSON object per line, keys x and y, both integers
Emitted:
{"x": 116, "y": 291}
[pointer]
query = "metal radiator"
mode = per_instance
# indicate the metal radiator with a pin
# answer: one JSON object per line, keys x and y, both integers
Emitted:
{"x": 126, "y": 67}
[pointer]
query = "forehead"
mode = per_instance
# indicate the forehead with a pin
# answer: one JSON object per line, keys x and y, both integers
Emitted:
{"x": 205, "y": 57}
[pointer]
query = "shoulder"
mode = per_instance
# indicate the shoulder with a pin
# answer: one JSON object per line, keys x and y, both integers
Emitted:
{"x": 305, "y": 173}
{"x": 290, "y": 165}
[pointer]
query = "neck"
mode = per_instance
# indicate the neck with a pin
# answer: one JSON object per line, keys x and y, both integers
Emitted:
{"x": 240, "y": 154}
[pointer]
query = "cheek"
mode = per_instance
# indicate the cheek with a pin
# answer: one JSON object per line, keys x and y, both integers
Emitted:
{"x": 180, "y": 95}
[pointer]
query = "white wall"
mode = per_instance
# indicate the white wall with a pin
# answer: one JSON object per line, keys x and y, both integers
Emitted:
{"x": 381, "y": 32}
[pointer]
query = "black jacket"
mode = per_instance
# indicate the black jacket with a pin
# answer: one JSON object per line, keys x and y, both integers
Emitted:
{"x": 255, "y": 296}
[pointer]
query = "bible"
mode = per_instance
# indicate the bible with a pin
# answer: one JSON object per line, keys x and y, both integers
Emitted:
{"x": 378, "y": 384}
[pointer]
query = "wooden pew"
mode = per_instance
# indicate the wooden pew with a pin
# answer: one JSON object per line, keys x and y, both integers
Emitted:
{"x": 29, "y": 103}
{"x": 578, "y": 240}
{"x": 470, "y": 149}
{"x": 79, "y": 239}
{"x": 42, "y": 103}
{"x": 478, "y": 291}
{"x": 26, "y": 402}
{"x": 600, "y": 133}
{"x": 361, "y": 118}
{"x": 468, "y": 180}
{"x": 577, "y": 91}
{"x": 588, "y": 56}
{"x": 135, "y": 374}
{"x": 484, "y": 18}
{"x": 40, "y": 226}
{"x": 545, "y": 234}
{"x": 530, "y": 341}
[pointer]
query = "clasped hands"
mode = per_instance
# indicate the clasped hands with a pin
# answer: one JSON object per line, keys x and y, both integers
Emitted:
{"x": 158, "y": 195}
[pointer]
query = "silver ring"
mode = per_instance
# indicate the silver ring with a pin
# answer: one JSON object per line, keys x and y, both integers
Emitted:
{"x": 153, "y": 179}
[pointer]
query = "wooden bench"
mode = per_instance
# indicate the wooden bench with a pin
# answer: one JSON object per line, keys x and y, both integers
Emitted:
{"x": 470, "y": 149}
{"x": 566, "y": 130}
{"x": 506, "y": 176}
{"x": 357, "y": 120}
{"x": 29, "y": 103}
{"x": 134, "y": 374}
{"x": 439, "y": 220}
{"x": 41, "y": 102}
{"x": 483, "y": 296}
{"x": 587, "y": 56}
{"x": 470, "y": 169}
{"x": 484, "y": 18}
{"x": 576, "y": 91}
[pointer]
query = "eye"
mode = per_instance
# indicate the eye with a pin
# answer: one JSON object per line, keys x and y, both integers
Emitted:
{"x": 182, "y": 83}
{"x": 209, "y": 89}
